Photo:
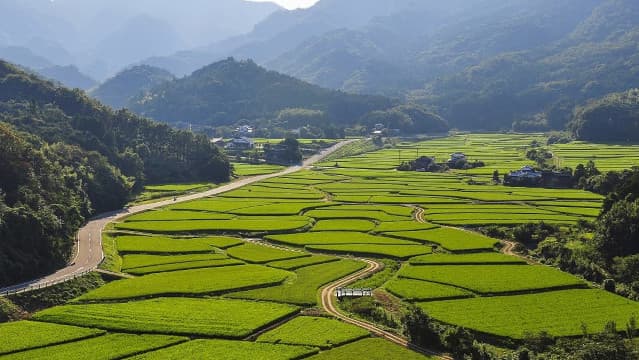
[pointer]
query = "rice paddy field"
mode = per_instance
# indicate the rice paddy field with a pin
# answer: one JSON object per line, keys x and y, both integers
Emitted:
{"x": 234, "y": 271}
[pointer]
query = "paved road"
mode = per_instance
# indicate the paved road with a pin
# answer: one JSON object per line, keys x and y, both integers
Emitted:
{"x": 89, "y": 238}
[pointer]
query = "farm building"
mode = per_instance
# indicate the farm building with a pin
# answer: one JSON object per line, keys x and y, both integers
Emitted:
{"x": 240, "y": 143}
{"x": 526, "y": 176}
{"x": 456, "y": 158}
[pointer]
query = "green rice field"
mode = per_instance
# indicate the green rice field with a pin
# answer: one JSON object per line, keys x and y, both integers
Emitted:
{"x": 560, "y": 313}
{"x": 370, "y": 349}
{"x": 232, "y": 350}
{"x": 449, "y": 238}
{"x": 493, "y": 279}
{"x": 190, "y": 282}
{"x": 260, "y": 254}
{"x": 173, "y": 316}
{"x": 212, "y": 273}
{"x": 314, "y": 331}
{"x": 487, "y": 258}
{"x": 303, "y": 287}
{"x": 26, "y": 335}
{"x": 112, "y": 346}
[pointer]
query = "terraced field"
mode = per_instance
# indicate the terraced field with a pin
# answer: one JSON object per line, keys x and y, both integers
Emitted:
{"x": 196, "y": 293}
{"x": 187, "y": 282}
{"x": 493, "y": 279}
{"x": 314, "y": 331}
{"x": 173, "y": 316}
{"x": 111, "y": 346}
{"x": 25, "y": 335}
{"x": 561, "y": 313}
{"x": 229, "y": 350}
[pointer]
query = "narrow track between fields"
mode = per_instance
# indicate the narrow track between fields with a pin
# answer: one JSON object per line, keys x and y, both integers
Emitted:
{"x": 328, "y": 304}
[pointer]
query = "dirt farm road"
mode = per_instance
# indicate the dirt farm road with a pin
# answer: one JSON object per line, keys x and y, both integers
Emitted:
{"x": 89, "y": 253}
{"x": 328, "y": 304}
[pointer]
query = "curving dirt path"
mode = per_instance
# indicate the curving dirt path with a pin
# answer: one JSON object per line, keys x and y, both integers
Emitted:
{"x": 328, "y": 304}
{"x": 89, "y": 253}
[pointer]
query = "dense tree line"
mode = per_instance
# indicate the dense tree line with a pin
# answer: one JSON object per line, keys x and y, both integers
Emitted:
{"x": 229, "y": 92}
{"x": 614, "y": 117}
{"x": 46, "y": 193}
{"x": 64, "y": 157}
{"x": 141, "y": 148}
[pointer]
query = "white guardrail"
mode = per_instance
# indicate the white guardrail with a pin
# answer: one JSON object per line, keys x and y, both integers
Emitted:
{"x": 20, "y": 289}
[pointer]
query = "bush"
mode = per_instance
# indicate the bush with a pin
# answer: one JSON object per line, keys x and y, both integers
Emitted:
{"x": 9, "y": 311}
{"x": 610, "y": 285}
{"x": 420, "y": 329}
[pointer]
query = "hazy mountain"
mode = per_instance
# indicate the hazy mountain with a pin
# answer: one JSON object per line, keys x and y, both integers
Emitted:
{"x": 23, "y": 56}
{"x": 102, "y": 37}
{"x": 428, "y": 39}
{"x": 68, "y": 76}
{"x": 228, "y": 91}
{"x": 119, "y": 90}
{"x": 283, "y": 31}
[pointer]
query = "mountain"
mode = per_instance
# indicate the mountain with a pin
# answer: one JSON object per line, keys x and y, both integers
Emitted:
{"x": 24, "y": 57}
{"x": 280, "y": 32}
{"x": 101, "y": 37}
{"x": 483, "y": 65}
{"x": 136, "y": 39}
{"x": 120, "y": 90}
{"x": 68, "y": 76}
{"x": 427, "y": 40}
{"x": 539, "y": 87}
{"x": 229, "y": 91}
{"x": 65, "y": 157}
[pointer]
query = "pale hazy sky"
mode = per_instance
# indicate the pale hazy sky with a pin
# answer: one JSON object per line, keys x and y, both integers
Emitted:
{"x": 292, "y": 4}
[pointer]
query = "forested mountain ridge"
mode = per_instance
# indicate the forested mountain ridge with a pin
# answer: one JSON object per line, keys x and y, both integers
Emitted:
{"x": 614, "y": 117}
{"x": 484, "y": 65}
{"x": 64, "y": 157}
{"x": 231, "y": 91}
{"x": 120, "y": 90}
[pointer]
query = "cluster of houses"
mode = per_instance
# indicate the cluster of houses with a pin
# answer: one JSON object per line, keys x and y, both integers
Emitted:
{"x": 528, "y": 176}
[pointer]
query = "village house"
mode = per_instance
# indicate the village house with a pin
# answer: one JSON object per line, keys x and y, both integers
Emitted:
{"x": 455, "y": 158}
{"x": 240, "y": 143}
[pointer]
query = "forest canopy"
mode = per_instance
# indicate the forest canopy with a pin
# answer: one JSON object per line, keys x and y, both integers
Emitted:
{"x": 65, "y": 157}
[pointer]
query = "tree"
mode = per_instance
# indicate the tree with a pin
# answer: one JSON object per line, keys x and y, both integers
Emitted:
{"x": 496, "y": 178}
{"x": 420, "y": 328}
{"x": 617, "y": 232}
{"x": 459, "y": 342}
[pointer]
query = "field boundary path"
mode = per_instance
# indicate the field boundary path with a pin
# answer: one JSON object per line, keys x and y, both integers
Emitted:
{"x": 89, "y": 253}
{"x": 328, "y": 304}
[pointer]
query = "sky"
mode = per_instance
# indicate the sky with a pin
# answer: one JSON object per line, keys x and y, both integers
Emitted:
{"x": 292, "y": 4}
